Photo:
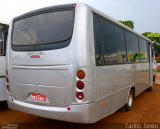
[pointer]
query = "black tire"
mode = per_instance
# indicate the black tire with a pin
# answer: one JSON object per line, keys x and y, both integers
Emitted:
{"x": 151, "y": 88}
{"x": 3, "y": 105}
{"x": 154, "y": 79}
{"x": 129, "y": 104}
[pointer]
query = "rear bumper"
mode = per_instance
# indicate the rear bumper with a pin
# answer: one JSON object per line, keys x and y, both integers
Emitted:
{"x": 79, "y": 113}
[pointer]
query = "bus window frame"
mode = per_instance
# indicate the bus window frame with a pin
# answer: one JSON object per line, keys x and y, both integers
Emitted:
{"x": 3, "y": 42}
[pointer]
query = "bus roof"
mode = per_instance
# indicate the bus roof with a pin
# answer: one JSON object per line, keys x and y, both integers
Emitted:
{"x": 81, "y": 4}
{"x": 115, "y": 21}
{"x": 46, "y": 9}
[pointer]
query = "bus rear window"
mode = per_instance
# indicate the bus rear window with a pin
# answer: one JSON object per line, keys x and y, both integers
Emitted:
{"x": 45, "y": 31}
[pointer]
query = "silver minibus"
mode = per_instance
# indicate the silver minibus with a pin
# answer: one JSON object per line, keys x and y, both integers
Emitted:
{"x": 74, "y": 63}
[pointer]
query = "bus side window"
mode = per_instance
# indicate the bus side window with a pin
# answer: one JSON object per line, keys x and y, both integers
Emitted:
{"x": 143, "y": 48}
{"x": 114, "y": 43}
{"x": 155, "y": 56}
{"x": 1, "y": 42}
{"x": 154, "y": 52}
{"x": 97, "y": 38}
{"x": 132, "y": 47}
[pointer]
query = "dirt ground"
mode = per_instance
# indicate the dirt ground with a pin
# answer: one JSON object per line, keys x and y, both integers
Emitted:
{"x": 145, "y": 114}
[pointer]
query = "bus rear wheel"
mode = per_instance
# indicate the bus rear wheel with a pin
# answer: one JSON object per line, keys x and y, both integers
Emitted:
{"x": 152, "y": 86}
{"x": 129, "y": 104}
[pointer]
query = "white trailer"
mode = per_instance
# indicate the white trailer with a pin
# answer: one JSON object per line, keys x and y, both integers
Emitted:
{"x": 3, "y": 38}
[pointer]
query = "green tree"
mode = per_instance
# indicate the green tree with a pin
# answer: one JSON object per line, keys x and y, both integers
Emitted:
{"x": 153, "y": 37}
{"x": 128, "y": 23}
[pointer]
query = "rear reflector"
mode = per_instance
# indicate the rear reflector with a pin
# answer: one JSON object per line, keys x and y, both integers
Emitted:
{"x": 35, "y": 56}
{"x": 68, "y": 108}
{"x": 80, "y": 95}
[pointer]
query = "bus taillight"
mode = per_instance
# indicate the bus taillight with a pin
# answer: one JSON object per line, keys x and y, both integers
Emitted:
{"x": 80, "y": 95}
{"x": 81, "y": 74}
{"x": 80, "y": 85}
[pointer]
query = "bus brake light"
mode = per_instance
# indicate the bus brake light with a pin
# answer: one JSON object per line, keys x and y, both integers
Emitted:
{"x": 80, "y": 85}
{"x": 81, "y": 74}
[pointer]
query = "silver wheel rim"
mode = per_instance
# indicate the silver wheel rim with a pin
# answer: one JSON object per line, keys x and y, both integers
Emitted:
{"x": 130, "y": 100}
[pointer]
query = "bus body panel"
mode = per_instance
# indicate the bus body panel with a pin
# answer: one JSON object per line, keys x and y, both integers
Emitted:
{"x": 114, "y": 82}
{"x": 109, "y": 104}
{"x": 3, "y": 89}
{"x": 2, "y": 79}
{"x": 55, "y": 91}
{"x": 63, "y": 57}
{"x": 77, "y": 56}
{"x": 55, "y": 70}
{"x": 78, "y": 113}
{"x": 2, "y": 66}
{"x": 56, "y": 74}
{"x": 84, "y": 55}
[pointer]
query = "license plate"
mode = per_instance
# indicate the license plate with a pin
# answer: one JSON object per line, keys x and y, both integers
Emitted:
{"x": 39, "y": 97}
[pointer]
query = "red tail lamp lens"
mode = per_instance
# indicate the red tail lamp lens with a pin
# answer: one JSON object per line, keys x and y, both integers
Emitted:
{"x": 80, "y": 95}
{"x": 68, "y": 108}
{"x": 81, "y": 74}
{"x": 80, "y": 85}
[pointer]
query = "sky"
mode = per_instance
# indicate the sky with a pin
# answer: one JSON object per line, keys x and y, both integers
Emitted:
{"x": 144, "y": 13}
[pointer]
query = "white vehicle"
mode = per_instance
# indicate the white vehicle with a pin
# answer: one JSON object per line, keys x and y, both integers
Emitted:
{"x": 74, "y": 63}
{"x": 3, "y": 37}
